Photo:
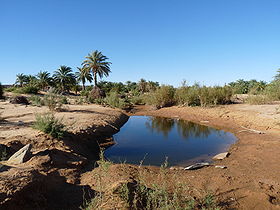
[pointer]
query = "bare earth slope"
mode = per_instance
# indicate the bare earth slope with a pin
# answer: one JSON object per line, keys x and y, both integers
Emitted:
{"x": 50, "y": 179}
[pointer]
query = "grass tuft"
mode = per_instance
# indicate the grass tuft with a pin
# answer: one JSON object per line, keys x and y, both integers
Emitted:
{"x": 48, "y": 124}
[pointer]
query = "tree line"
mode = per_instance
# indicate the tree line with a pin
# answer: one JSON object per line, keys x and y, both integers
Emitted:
{"x": 64, "y": 79}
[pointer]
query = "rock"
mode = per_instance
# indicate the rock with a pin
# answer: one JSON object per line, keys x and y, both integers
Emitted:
{"x": 176, "y": 168}
{"x": 19, "y": 123}
{"x": 19, "y": 100}
{"x": 222, "y": 167}
{"x": 220, "y": 156}
{"x": 204, "y": 121}
{"x": 196, "y": 166}
{"x": 20, "y": 156}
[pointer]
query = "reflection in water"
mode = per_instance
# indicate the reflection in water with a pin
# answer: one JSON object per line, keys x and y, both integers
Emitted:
{"x": 160, "y": 125}
{"x": 156, "y": 138}
{"x": 189, "y": 129}
{"x": 185, "y": 128}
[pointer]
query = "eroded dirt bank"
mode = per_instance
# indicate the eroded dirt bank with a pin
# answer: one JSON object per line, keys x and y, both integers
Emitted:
{"x": 251, "y": 180}
{"x": 51, "y": 178}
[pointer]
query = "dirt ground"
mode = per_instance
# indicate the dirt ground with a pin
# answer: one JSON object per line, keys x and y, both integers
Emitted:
{"x": 50, "y": 179}
{"x": 61, "y": 173}
{"x": 252, "y": 177}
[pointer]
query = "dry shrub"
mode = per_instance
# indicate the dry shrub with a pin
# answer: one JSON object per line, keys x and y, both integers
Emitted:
{"x": 258, "y": 99}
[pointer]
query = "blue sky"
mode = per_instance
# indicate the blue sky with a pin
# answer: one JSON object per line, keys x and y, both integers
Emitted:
{"x": 209, "y": 41}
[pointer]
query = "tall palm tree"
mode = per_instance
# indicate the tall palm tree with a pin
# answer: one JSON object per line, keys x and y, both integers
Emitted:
{"x": 64, "y": 78}
{"x": 83, "y": 75}
{"x": 44, "y": 79}
{"x": 21, "y": 79}
{"x": 97, "y": 63}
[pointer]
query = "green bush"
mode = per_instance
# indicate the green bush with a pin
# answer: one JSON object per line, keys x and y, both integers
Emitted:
{"x": 48, "y": 124}
{"x": 273, "y": 90}
{"x": 26, "y": 90}
{"x": 53, "y": 101}
{"x": 10, "y": 89}
{"x": 64, "y": 100}
{"x": 84, "y": 93}
{"x": 187, "y": 96}
{"x": 162, "y": 97}
{"x": 203, "y": 96}
{"x": 137, "y": 100}
{"x": 36, "y": 100}
{"x": 113, "y": 100}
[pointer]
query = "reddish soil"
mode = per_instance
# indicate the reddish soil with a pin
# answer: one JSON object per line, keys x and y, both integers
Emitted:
{"x": 61, "y": 173}
{"x": 251, "y": 180}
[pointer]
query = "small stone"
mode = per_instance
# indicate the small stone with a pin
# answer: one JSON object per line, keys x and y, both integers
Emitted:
{"x": 20, "y": 123}
{"x": 20, "y": 156}
{"x": 176, "y": 168}
{"x": 220, "y": 156}
{"x": 222, "y": 167}
{"x": 196, "y": 166}
{"x": 204, "y": 121}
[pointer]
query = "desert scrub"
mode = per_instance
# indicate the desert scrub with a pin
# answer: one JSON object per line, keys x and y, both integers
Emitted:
{"x": 258, "y": 99}
{"x": 36, "y": 100}
{"x": 64, "y": 100}
{"x": 113, "y": 100}
{"x": 197, "y": 95}
{"x": 162, "y": 97}
{"x": 53, "y": 102}
{"x": 48, "y": 124}
{"x": 29, "y": 89}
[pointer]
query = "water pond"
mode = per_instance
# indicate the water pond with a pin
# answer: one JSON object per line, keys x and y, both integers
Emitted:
{"x": 152, "y": 139}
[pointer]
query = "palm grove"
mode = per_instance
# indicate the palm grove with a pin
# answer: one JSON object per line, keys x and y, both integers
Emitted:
{"x": 64, "y": 79}
{"x": 96, "y": 65}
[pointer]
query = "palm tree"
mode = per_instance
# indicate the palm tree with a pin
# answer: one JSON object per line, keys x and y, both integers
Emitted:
{"x": 21, "y": 79}
{"x": 64, "y": 78}
{"x": 83, "y": 75}
{"x": 44, "y": 79}
{"x": 97, "y": 64}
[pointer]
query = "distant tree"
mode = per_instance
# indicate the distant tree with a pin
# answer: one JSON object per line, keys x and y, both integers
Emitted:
{"x": 21, "y": 79}
{"x": 43, "y": 79}
{"x": 142, "y": 85}
{"x": 31, "y": 80}
{"x": 97, "y": 63}
{"x": 64, "y": 78}
{"x": 152, "y": 86}
{"x": 83, "y": 75}
{"x": 277, "y": 76}
{"x": 131, "y": 85}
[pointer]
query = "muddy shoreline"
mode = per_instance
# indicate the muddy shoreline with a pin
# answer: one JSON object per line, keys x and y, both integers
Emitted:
{"x": 251, "y": 177}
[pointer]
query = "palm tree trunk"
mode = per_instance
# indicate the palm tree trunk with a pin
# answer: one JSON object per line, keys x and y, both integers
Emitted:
{"x": 84, "y": 86}
{"x": 95, "y": 79}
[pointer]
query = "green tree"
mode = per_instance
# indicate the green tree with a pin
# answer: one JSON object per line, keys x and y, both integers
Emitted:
{"x": 21, "y": 79}
{"x": 43, "y": 79}
{"x": 64, "y": 78}
{"x": 97, "y": 63}
{"x": 83, "y": 75}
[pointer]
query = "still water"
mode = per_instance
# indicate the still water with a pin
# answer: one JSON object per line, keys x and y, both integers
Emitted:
{"x": 152, "y": 139}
